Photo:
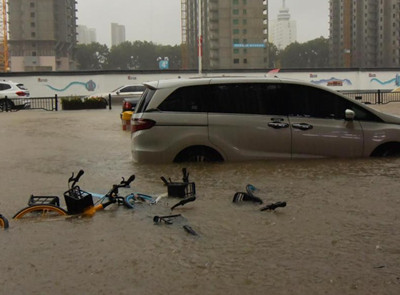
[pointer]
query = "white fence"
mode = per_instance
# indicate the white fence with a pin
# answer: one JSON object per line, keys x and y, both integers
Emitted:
{"x": 87, "y": 83}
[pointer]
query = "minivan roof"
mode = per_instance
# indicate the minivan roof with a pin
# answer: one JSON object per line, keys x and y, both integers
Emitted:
{"x": 208, "y": 80}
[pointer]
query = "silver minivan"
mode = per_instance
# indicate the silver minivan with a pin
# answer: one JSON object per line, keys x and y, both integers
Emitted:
{"x": 239, "y": 118}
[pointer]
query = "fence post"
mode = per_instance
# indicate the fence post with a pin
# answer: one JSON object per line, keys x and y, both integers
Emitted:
{"x": 379, "y": 96}
{"x": 6, "y": 103}
{"x": 56, "y": 99}
{"x": 109, "y": 101}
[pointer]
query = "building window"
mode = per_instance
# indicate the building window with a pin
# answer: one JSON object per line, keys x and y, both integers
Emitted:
{"x": 235, "y": 60}
{"x": 32, "y": 4}
{"x": 33, "y": 53}
{"x": 244, "y": 31}
{"x": 236, "y": 12}
{"x": 244, "y": 11}
{"x": 235, "y": 41}
{"x": 245, "y": 60}
{"x": 245, "y": 21}
{"x": 33, "y": 34}
{"x": 33, "y": 25}
{"x": 32, "y": 14}
{"x": 235, "y": 2}
{"x": 235, "y": 21}
{"x": 235, "y": 31}
{"x": 236, "y": 51}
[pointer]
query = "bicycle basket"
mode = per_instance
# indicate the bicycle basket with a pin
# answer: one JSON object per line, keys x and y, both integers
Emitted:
{"x": 181, "y": 189}
{"x": 77, "y": 200}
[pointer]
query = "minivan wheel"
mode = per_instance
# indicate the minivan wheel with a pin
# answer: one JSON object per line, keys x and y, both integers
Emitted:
{"x": 198, "y": 154}
{"x": 388, "y": 150}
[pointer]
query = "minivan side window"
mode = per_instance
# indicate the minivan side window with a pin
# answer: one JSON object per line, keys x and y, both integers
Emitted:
{"x": 306, "y": 101}
{"x": 248, "y": 98}
{"x": 187, "y": 99}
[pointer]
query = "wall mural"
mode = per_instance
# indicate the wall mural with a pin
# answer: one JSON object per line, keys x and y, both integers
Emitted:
{"x": 396, "y": 80}
{"x": 90, "y": 86}
{"x": 332, "y": 82}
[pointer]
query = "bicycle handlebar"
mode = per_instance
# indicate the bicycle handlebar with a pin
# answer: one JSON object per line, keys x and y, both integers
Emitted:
{"x": 126, "y": 183}
{"x": 123, "y": 183}
{"x": 76, "y": 178}
{"x": 183, "y": 202}
{"x": 273, "y": 206}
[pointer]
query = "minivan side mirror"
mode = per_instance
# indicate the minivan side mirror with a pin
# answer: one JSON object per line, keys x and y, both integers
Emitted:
{"x": 349, "y": 115}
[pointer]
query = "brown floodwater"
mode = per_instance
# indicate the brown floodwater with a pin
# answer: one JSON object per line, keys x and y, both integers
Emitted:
{"x": 338, "y": 233}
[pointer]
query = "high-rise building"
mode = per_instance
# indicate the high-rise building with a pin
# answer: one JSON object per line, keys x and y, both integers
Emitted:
{"x": 365, "y": 33}
{"x": 86, "y": 35}
{"x": 283, "y": 30}
{"x": 42, "y": 34}
{"x": 117, "y": 34}
{"x": 234, "y": 34}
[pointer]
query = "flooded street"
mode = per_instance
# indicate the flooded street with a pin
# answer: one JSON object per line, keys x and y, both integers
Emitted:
{"x": 338, "y": 233}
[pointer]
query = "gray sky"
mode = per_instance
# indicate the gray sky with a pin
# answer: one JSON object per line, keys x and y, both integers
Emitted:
{"x": 159, "y": 21}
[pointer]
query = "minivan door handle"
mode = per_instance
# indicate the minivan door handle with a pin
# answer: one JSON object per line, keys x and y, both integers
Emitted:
{"x": 302, "y": 126}
{"x": 278, "y": 125}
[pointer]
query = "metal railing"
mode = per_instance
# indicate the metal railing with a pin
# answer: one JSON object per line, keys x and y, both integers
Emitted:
{"x": 16, "y": 104}
{"x": 373, "y": 97}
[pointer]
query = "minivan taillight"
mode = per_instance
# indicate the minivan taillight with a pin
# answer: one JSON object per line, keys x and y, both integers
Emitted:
{"x": 142, "y": 124}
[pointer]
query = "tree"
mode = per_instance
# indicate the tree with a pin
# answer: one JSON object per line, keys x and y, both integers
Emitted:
{"x": 91, "y": 56}
{"x": 312, "y": 54}
{"x": 142, "y": 55}
{"x": 122, "y": 57}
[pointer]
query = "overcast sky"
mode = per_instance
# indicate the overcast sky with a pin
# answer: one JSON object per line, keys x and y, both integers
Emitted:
{"x": 159, "y": 21}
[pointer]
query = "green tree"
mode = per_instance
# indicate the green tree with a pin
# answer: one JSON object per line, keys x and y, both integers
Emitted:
{"x": 142, "y": 55}
{"x": 91, "y": 56}
{"x": 312, "y": 54}
{"x": 121, "y": 57}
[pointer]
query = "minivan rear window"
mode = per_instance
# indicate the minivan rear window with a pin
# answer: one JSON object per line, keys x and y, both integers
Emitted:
{"x": 145, "y": 100}
{"x": 187, "y": 99}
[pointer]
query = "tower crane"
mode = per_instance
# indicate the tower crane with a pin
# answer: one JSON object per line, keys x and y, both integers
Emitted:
{"x": 3, "y": 37}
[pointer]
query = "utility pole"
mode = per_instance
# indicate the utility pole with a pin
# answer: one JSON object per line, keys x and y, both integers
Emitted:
{"x": 200, "y": 38}
{"x": 4, "y": 39}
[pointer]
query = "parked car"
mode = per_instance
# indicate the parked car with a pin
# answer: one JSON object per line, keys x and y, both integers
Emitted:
{"x": 122, "y": 92}
{"x": 13, "y": 95}
{"x": 234, "y": 119}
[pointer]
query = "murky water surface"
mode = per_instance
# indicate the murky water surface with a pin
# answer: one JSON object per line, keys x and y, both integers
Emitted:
{"x": 337, "y": 235}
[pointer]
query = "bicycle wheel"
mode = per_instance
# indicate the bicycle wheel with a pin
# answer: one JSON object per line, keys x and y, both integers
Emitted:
{"x": 43, "y": 211}
{"x": 3, "y": 222}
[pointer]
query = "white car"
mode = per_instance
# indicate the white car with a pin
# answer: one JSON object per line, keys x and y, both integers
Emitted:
{"x": 236, "y": 119}
{"x": 122, "y": 92}
{"x": 13, "y": 95}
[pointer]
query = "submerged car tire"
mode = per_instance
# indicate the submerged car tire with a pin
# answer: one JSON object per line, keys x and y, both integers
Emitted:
{"x": 198, "y": 154}
{"x": 387, "y": 150}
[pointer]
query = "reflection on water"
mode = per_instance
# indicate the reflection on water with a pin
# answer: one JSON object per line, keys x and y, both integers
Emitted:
{"x": 337, "y": 235}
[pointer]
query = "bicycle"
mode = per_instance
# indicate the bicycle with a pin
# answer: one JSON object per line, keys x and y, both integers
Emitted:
{"x": 78, "y": 202}
{"x": 249, "y": 196}
{"x": 3, "y": 222}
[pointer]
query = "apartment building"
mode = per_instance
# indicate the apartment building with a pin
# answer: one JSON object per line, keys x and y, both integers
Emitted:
{"x": 117, "y": 34}
{"x": 86, "y": 35}
{"x": 282, "y": 30}
{"x": 42, "y": 34}
{"x": 234, "y": 34}
{"x": 365, "y": 33}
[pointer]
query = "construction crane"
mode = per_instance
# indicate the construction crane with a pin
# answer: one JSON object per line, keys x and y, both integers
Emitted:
{"x": 3, "y": 37}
